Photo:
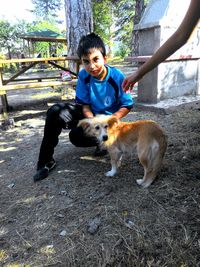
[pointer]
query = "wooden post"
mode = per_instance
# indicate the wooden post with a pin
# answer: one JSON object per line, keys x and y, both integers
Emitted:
{"x": 5, "y": 107}
{"x": 1, "y": 74}
{"x": 4, "y": 100}
{"x": 29, "y": 51}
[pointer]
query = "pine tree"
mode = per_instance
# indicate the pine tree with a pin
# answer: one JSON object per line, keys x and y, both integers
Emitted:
{"x": 46, "y": 9}
{"x": 79, "y": 21}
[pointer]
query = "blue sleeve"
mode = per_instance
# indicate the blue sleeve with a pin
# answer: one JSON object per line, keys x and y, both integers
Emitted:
{"x": 82, "y": 91}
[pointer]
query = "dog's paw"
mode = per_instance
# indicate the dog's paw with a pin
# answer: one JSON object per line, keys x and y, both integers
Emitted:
{"x": 143, "y": 183}
{"x": 139, "y": 181}
{"x": 110, "y": 173}
{"x": 146, "y": 184}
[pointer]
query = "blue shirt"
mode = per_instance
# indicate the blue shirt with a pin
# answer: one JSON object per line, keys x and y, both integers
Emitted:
{"x": 104, "y": 97}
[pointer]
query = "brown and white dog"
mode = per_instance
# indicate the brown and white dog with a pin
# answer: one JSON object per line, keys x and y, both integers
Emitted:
{"x": 119, "y": 137}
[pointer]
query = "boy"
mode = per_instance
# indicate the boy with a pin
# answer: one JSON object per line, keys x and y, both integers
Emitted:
{"x": 98, "y": 91}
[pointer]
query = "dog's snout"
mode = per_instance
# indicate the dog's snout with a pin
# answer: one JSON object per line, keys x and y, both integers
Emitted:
{"x": 105, "y": 138}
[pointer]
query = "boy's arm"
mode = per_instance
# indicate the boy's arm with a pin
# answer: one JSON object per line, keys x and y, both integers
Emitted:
{"x": 87, "y": 111}
{"x": 122, "y": 112}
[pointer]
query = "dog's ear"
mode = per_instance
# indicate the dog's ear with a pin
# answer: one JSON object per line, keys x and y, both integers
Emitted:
{"x": 84, "y": 124}
{"x": 112, "y": 121}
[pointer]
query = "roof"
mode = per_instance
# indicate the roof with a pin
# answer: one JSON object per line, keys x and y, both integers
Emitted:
{"x": 44, "y": 36}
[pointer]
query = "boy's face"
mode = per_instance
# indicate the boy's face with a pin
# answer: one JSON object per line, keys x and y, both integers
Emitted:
{"x": 94, "y": 62}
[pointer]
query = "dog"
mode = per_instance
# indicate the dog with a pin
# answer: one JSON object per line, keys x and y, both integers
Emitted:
{"x": 119, "y": 137}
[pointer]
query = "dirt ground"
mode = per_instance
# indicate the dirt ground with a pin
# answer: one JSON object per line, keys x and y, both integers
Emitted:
{"x": 80, "y": 217}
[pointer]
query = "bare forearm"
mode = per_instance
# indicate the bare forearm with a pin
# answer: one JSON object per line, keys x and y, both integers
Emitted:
{"x": 122, "y": 112}
{"x": 87, "y": 111}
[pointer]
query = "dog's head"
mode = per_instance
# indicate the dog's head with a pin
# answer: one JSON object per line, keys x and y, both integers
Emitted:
{"x": 98, "y": 126}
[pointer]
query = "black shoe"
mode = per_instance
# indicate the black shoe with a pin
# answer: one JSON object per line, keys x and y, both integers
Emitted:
{"x": 43, "y": 172}
{"x": 99, "y": 152}
{"x": 198, "y": 175}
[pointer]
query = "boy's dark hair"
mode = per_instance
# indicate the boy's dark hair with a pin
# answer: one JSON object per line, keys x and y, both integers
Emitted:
{"x": 88, "y": 42}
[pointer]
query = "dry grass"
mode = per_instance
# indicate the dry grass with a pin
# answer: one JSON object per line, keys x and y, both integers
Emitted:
{"x": 156, "y": 227}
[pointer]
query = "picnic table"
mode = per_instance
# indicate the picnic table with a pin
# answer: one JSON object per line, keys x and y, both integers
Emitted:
{"x": 15, "y": 82}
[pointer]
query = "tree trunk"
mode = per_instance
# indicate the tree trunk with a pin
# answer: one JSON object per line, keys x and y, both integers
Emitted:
{"x": 9, "y": 53}
{"x": 79, "y": 22}
{"x": 139, "y": 8}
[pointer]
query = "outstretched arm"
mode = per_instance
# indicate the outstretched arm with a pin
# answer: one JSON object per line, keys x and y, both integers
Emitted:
{"x": 178, "y": 39}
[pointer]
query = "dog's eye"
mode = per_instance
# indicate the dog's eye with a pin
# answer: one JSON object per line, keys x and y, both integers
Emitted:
{"x": 106, "y": 126}
{"x": 97, "y": 127}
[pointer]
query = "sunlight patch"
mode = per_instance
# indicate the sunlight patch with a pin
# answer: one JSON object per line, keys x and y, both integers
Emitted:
{"x": 3, "y": 231}
{"x": 44, "y": 95}
{"x": 49, "y": 249}
{"x": 34, "y": 122}
{"x": 3, "y": 255}
{"x": 2, "y": 149}
{"x": 11, "y": 142}
{"x": 33, "y": 199}
{"x": 25, "y": 112}
{"x": 24, "y": 132}
{"x": 62, "y": 171}
{"x": 93, "y": 158}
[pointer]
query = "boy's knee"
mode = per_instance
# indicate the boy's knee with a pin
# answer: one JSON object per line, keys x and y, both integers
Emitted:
{"x": 54, "y": 110}
{"x": 67, "y": 114}
{"x": 53, "y": 117}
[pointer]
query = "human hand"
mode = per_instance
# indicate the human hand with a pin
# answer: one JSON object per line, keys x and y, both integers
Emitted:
{"x": 129, "y": 82}
{"x": 65, "y": 115}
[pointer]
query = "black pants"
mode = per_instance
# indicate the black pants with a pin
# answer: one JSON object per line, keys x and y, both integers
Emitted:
{"x": 53, "y": 127}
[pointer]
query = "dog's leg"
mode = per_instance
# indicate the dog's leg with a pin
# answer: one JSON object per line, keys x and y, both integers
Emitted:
{"x": 151, "y": 159}
{"x": 115, "y": 156}
{"x": 149, "y": 177}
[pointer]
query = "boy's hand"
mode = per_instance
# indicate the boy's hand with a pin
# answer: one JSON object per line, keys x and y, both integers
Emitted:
{"x": 87, "y": 111}
{"x": 65, "y": 115}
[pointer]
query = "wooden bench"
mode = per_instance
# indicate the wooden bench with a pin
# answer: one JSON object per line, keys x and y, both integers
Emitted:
{"x": 14, "y": 83}
{"x": 143, "y": 59}
{"x": 5, "y": 88}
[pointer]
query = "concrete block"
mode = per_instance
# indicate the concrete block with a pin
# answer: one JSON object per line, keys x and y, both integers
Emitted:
{"x": 172, "y": 78}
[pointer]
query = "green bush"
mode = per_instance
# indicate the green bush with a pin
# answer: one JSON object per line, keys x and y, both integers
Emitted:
{"x": 122, "y": 51}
